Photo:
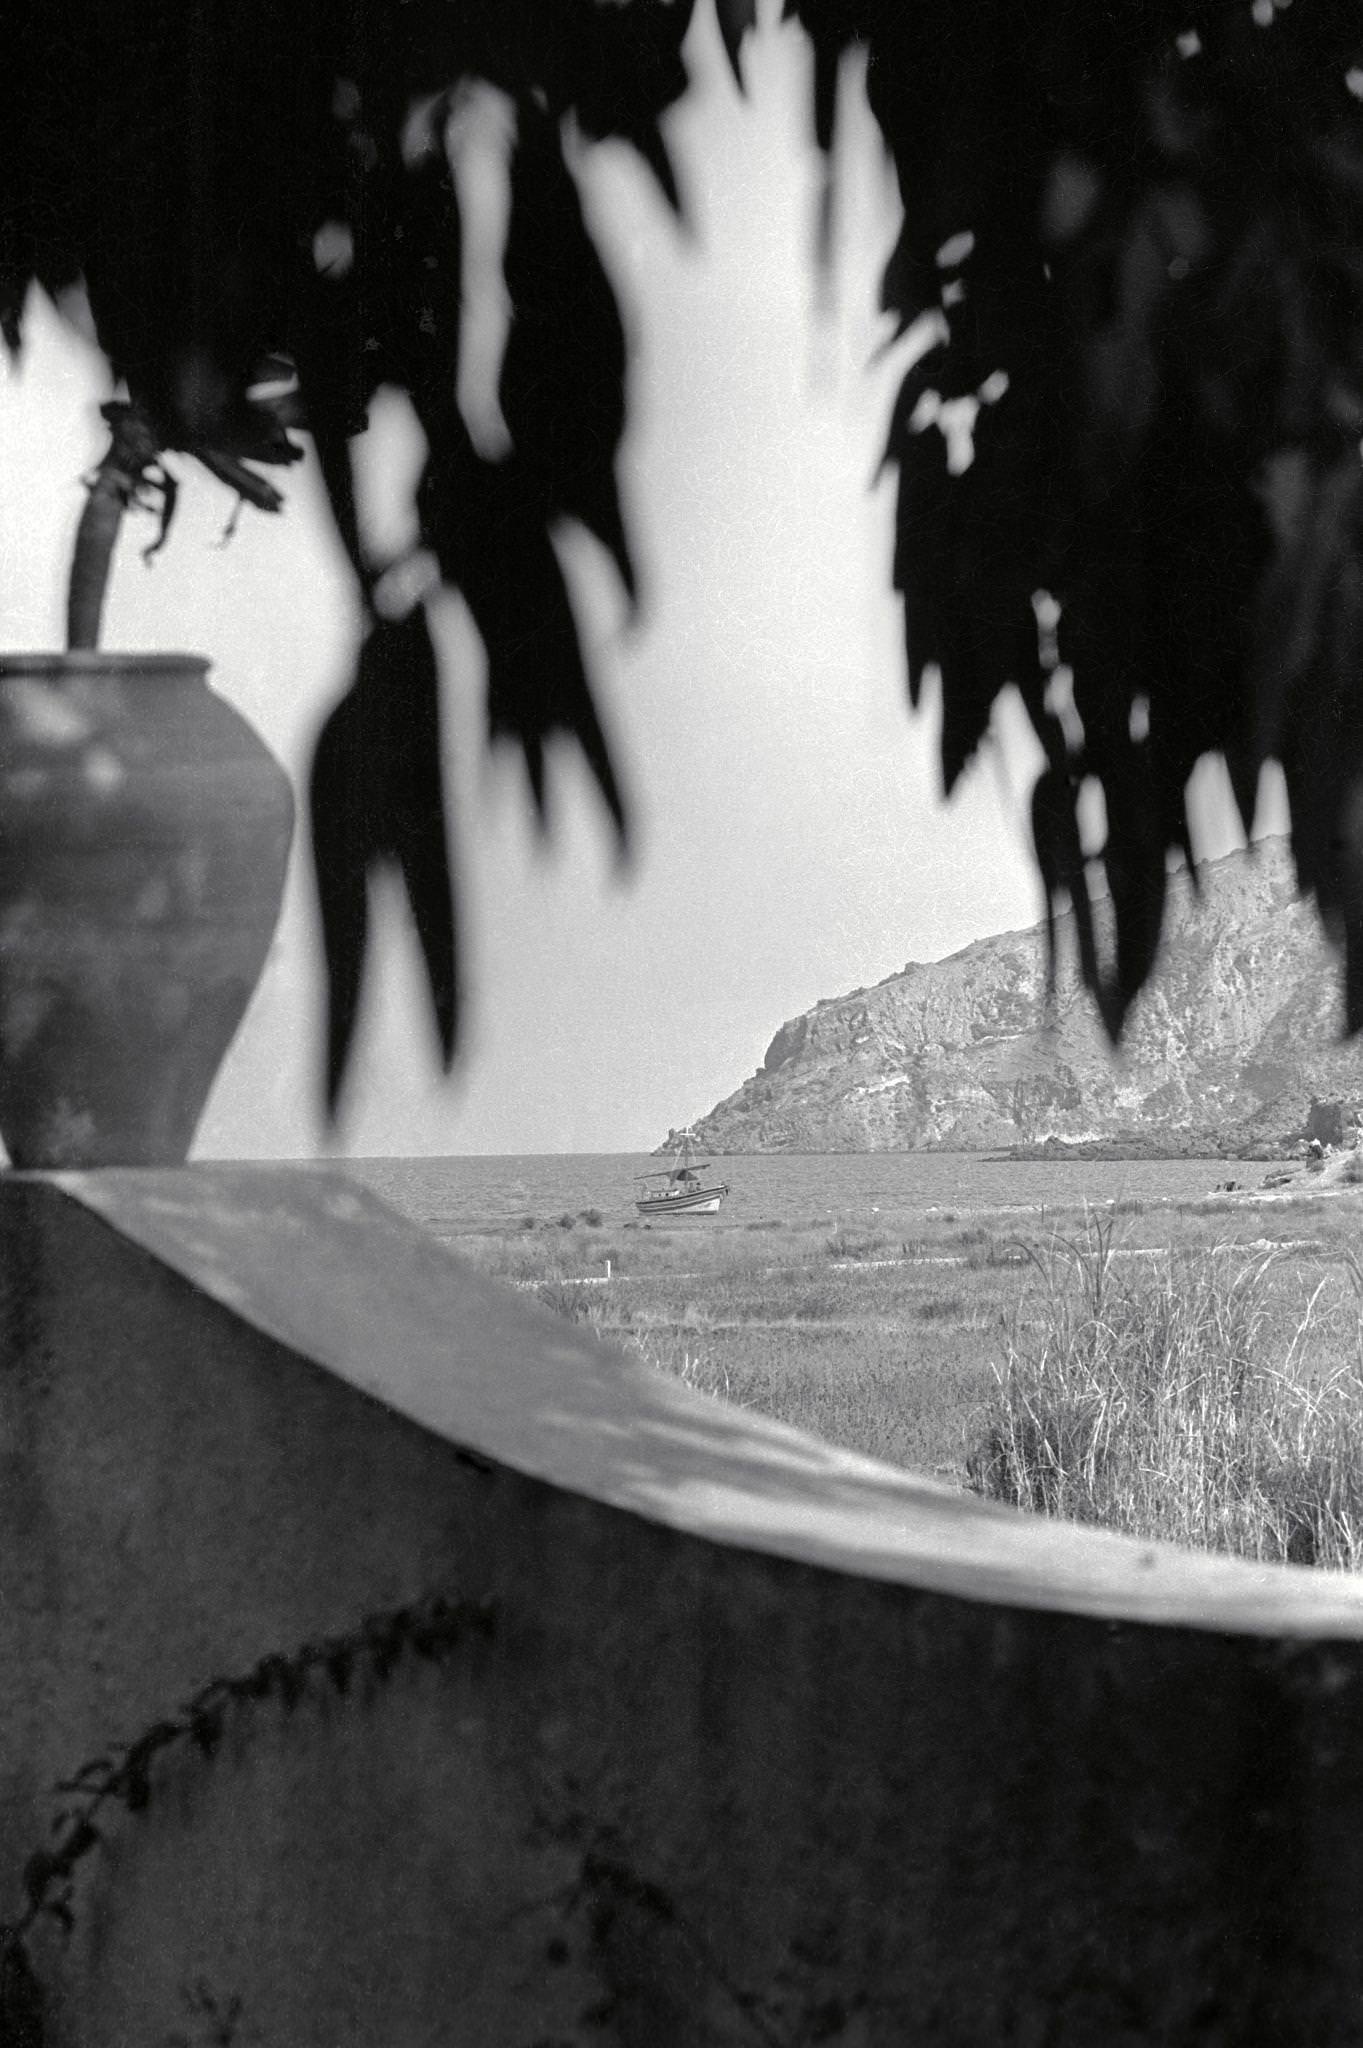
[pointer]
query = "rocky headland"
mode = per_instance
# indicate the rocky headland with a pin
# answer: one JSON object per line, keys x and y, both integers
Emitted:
{"x": 1224, "y": 1053}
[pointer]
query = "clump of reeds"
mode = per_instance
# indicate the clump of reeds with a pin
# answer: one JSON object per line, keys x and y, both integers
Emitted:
{"x": 567, "y": 1298}
{"x": 1151, "y": 1395}
{"x": 668, "y": 1353}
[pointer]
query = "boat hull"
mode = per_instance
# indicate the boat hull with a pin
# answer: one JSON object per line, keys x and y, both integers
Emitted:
{"x": 699, "y": 1202}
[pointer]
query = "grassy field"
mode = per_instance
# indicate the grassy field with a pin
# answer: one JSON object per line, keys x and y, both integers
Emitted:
{"x": 909, "y": 1338}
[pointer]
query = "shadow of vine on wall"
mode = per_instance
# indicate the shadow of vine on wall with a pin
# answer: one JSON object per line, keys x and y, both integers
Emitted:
{"x": 610, "y": 1917}
{"x": 123, "y": 1776}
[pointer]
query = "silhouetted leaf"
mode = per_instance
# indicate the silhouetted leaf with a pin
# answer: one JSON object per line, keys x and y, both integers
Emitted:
{"x": 390, "y": 314}
{"x": 398, "y": 671}
{"x": 563, "y": 381}
{"x": 624, "y": 67}
{"x": 484, "y": 522}
{"x": 651, "y": 145}
{"x": 737, "y": 19}
{"x": 341, "y": 852}
{"x": 376, "y": 794}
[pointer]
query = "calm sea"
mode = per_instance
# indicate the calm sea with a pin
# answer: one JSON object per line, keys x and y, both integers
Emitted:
{"x": 454, "y": 1196}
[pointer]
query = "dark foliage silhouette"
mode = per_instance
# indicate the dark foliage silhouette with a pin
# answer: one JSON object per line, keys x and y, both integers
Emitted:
{"x": 1139, "y": 231}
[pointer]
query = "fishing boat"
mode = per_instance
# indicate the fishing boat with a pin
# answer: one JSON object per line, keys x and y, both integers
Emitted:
{"x": 680, "y": 1189}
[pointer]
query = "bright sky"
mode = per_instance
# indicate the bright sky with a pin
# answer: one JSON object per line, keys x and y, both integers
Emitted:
{"x": 791, "y": 843}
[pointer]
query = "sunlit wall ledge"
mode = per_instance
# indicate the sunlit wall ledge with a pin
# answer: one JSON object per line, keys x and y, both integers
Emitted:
{"x": 720, "y": 1735}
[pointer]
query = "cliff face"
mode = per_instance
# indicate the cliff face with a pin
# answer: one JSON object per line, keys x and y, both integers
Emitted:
{"x": 1237, "y": 1033}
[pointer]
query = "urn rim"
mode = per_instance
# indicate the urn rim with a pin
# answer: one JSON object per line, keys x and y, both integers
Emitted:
{"x": 82, "y": 661}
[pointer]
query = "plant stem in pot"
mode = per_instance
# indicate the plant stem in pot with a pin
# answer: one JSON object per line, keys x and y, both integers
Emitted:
{"x": 117, "y": 483}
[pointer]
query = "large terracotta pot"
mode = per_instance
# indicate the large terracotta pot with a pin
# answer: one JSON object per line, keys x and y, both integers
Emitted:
{"x": 144, "y": 834}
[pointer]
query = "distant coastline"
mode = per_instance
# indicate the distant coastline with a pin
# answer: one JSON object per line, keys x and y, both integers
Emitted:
{"x": 1163, "y": 1145}
{"x": 1127, "y": 1146}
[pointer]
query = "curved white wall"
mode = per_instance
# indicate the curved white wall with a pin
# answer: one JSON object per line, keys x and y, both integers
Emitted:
{"x": 759, "y": 1742}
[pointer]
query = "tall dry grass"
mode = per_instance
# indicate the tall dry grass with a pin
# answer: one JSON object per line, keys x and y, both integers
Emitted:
{"x": 663, "y": 1349}
{"x": 1169, "y": 1397}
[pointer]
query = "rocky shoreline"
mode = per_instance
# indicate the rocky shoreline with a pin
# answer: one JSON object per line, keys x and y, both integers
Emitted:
{"x": 1194, "y": 1145}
